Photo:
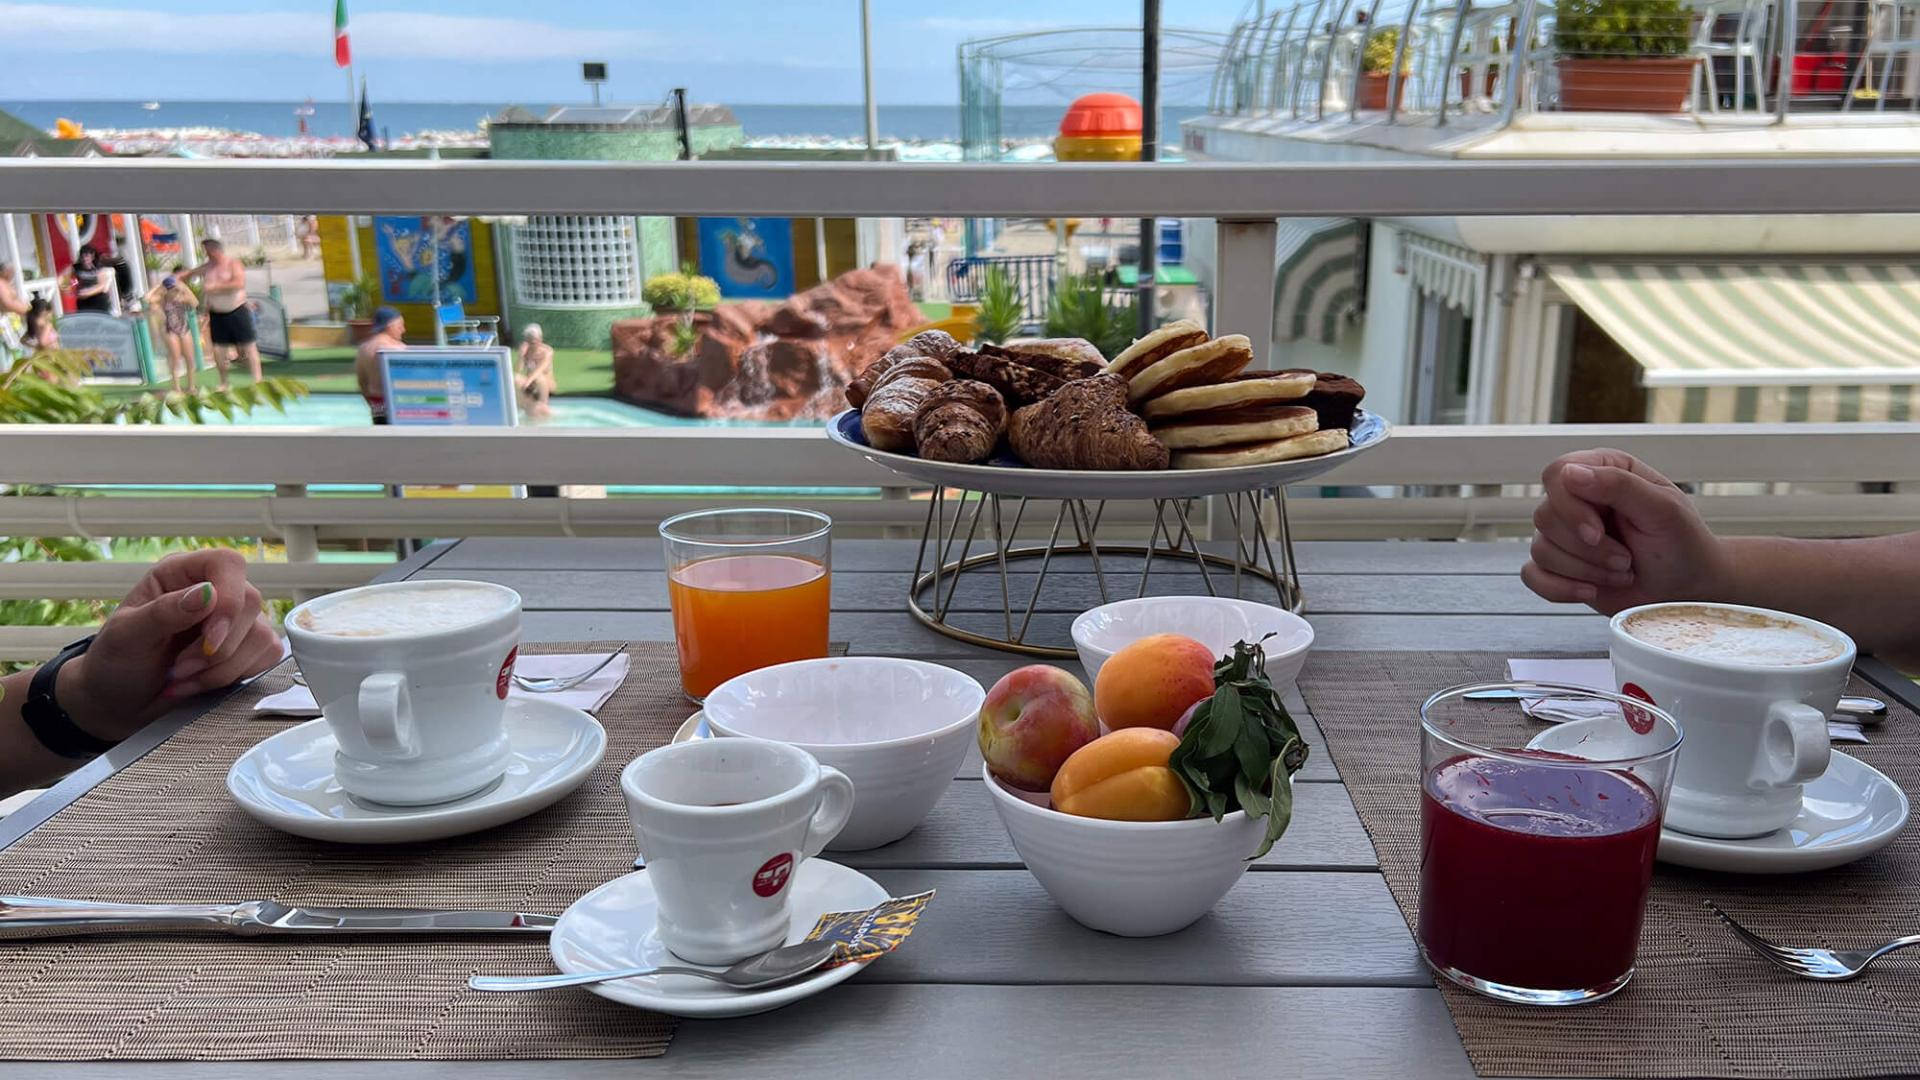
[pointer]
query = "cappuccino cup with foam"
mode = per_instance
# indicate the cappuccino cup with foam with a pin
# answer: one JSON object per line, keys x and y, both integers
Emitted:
{"x": 1752, "y": 690}
{"x": 412, "y": 679}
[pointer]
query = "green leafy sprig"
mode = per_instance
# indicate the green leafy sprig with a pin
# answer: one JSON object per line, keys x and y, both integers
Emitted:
{"x": 1241, "y": 748}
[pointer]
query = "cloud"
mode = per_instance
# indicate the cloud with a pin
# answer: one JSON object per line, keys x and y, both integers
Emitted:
{"x": 376, "y": 35}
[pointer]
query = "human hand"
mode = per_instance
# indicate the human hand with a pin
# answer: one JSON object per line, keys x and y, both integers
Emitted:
{"x": 1613, "y": 533}
{"x": 192, "y": 624}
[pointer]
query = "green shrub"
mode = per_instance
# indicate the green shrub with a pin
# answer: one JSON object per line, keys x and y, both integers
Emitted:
{"x": 1001, "y": 312}
{"x": 1080, "y": 308}
{"x": 684, "y": 291}
{"x": 1377, "y": 58}
{"x": 1622, "y": 29}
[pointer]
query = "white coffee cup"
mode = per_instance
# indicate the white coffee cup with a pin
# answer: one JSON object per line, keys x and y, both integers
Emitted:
{"x": 1752, "y": 690}
{"x": 412, "y": 678}
{"x": 723, "y": 825}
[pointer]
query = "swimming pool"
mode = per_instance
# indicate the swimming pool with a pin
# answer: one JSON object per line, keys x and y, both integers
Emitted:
{"x": 348, "y": 410}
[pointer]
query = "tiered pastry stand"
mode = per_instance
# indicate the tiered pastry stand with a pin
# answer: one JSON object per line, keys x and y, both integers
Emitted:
{"x": 986, "y": 504}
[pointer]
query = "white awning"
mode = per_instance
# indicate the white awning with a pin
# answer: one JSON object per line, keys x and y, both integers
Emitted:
{"x": 1317, "y": 283}
{"x": 1761, "y": 341}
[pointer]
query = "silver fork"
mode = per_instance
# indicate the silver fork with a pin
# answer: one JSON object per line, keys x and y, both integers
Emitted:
{"x": 551, "y": 685}
{"x": 1832, "y": 965}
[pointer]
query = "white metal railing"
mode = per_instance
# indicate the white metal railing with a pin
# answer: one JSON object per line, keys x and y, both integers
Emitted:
{"x": 1492, "y": 463}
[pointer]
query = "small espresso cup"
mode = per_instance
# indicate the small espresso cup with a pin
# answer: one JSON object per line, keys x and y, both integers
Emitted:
{"x": 1752, "y": 689}
{"x": 723, "y": 825}
{"x": 412, "y": 678}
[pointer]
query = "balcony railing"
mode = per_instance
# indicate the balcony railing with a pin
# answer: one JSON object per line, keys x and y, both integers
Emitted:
{"x": 1424, "y": 482}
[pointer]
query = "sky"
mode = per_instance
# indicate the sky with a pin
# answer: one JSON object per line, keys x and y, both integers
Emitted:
{"x": 732, "y": 51}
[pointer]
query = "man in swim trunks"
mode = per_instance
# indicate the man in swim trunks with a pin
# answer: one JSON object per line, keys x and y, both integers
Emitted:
{"x": 388, "y": 327}
{"x": 229, "y": 320}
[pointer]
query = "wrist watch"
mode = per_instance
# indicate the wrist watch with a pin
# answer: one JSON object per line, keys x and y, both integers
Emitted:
{"x": 49, "y": 722}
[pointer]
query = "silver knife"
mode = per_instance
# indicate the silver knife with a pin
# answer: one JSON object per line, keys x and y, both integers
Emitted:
{"x": 40, "y": 917}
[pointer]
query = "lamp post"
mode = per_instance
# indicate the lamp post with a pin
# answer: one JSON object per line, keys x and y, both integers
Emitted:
{"x": 1149, "y": 151}
{"x": 866, "y": 77}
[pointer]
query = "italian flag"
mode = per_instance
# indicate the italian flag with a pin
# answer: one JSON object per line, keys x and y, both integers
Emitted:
{"x": 342, "y": 54}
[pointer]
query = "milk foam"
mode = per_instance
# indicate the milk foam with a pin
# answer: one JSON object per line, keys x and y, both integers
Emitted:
{"x": 1734, "y": 637}
{"x": 423, "y": 609}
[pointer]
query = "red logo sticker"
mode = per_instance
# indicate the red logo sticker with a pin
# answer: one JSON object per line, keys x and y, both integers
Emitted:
{"x": 1640, "y": 720}
{"x": 772, "y": 875}
{"x": 505, "y": 678}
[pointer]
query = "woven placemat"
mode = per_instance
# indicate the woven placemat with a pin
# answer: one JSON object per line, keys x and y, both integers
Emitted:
{"x": 1701, "y": 1004}
{"x": 165, "y": 829}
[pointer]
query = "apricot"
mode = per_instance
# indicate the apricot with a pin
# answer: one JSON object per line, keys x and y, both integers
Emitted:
{"x": 1152, "y": 681}
{"x": 1123, "y": 777}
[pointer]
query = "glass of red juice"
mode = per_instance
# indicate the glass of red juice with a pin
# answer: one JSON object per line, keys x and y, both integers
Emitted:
{"x": 1537, "y": 843}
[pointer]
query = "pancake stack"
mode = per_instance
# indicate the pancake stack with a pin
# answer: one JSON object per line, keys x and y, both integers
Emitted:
{"x": 1203, "y": 406}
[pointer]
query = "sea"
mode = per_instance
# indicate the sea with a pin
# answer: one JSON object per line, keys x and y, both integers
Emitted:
{"x": 772, "y": 123}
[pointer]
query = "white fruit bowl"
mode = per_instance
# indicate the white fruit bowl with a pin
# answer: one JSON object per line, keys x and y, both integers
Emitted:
{"x": 898, "y": 728}
{"x": 1214, "y": 621}
{"x": 1132, "y": 878}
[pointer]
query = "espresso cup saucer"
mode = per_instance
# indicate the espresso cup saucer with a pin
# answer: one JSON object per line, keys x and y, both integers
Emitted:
{"x": 695, "y": 728}
{"x": 286, "y": 781}
{"x": 613, "y": 927}
{"x": 1848, "y": 813}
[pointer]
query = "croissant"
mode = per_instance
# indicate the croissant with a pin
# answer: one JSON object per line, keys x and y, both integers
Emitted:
{"x": 887, "y": 417}
{"x": 960, "y": 421}
{"x": 1085, "y": 425}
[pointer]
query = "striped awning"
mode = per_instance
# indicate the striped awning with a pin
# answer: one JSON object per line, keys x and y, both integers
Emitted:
{"x": 1317, "y": 284}
{"x": 1724, "y": 342}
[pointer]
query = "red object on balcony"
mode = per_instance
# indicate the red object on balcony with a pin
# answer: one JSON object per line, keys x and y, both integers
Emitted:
{"x": 1101, "y": 115}
{"x": 1819, "y": 73}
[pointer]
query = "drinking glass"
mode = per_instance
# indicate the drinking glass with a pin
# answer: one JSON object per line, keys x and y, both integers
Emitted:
{"x": 1537, "y": 844}
{"x": 749, "y": 588}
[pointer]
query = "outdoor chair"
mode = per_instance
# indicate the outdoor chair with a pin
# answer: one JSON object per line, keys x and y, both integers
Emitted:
{"x": 471, "y": 330}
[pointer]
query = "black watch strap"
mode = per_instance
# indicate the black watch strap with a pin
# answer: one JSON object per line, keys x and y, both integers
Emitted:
{"x": 49, "y": 722}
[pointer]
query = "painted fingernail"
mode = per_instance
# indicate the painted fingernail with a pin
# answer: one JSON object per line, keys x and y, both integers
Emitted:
{"x": 216, "y": 635}
{"x": 199, "y": 599}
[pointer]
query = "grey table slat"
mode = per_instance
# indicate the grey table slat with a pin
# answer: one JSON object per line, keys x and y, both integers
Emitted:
{"x": 1316, "y": 557}
{"x": 1071, "y": 593}
{"x": 864, "y": 1029}
{"x": 963, "y": 831}
{"x": 999, "y": 926}
{"x": 897, "y": 634}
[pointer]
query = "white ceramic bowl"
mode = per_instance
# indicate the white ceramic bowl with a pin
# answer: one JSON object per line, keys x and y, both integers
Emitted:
{"x": 1214, "y": 621}
{"x": 898, "y": 728}
{"x": 1132, "y": 878}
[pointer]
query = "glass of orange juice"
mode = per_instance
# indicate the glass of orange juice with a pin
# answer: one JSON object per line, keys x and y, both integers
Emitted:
{"x": 749, "y": 588}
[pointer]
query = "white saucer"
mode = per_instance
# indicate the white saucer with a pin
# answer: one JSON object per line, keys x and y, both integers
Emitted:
{"x": 695, "y": 728}
{"x": 612, "y": 927}
{"x": 286, "y": 781}
{"x": 1849, "y": 813}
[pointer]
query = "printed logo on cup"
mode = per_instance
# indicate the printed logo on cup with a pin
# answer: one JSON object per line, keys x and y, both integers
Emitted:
{"x": 772, "y": 875}
{"x": 505, "y": 678}
{"x": 1640, "y": 720}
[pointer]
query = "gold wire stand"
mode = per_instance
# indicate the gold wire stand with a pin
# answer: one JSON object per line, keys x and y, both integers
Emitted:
{"x": 1252, "y": 557}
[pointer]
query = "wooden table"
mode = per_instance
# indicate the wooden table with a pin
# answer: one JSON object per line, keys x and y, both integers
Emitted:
{"x": 1305, "y": 968}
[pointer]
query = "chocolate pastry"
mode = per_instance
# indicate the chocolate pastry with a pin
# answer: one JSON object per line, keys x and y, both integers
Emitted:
{"x": 960, "y": 420}
{"x": 1086, "y": 425}
{"x": 1068, "y": 358}
{"x": 1020, "y": 383}
{"x": 1335, "y": 397}
{"x": 887, "y": 417}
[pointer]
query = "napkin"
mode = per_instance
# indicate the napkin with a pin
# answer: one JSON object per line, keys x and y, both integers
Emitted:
{"x": 587, "y": 697}
{"x": 1593, "y": 674}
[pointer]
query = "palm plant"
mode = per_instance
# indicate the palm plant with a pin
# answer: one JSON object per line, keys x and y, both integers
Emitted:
{"x": 1080, "y": 308}
{"x": 1001, "y": 311}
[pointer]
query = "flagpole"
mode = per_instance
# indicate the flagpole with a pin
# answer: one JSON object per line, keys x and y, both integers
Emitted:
{"x": 353, "y": 227}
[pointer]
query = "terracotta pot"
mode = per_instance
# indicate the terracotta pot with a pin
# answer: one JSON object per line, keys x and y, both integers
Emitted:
{"x": 359, "y": 330}
{"x": 1466, "y": 83}
{"x": 1373, "y": 90}
{"x": 1642, "y": 85}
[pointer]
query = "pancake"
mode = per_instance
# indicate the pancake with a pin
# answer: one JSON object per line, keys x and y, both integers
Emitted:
{"x": 1156, "y": 346}
{"x": 1313, "y": 444}
{"x": 1247, "y": 388}
{"x": 1201, "y": 365}
{"x": 1236, "y": 426}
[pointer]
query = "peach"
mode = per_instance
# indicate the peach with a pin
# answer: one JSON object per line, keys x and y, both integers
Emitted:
{"x": 1152, "y": 681}
{"x": 1033, "y": 719}
{"x": 1123, "y": 777}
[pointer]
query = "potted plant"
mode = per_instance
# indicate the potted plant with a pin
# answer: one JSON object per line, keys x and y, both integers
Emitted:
{"x": 356, "y": 306}
{"x": 1376, "y": 65}
{"x": 1492, "y": 81}
{"x": 1624, "y": 55}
